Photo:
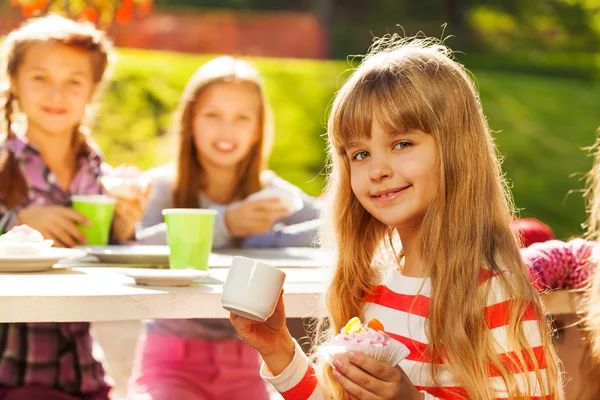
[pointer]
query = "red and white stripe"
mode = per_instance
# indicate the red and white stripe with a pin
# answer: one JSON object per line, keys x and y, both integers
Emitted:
{"x": 402, "y": 305}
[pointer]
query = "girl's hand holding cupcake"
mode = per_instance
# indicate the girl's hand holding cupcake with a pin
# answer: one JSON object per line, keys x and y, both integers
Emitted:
{"x": 128, "y": 212}
{"x": 364, "y": 377}
{"x": 365, "y": 362}
{"x": 131, "y": 189}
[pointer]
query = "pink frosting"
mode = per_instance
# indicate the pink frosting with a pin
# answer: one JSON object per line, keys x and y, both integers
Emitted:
{"x": 22, "y": 234}
{"x": 26, "y": 229}
{"x": 366, "y": 337}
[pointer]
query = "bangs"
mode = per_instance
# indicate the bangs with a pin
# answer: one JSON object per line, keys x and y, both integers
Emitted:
{"x": 382, "y": 93}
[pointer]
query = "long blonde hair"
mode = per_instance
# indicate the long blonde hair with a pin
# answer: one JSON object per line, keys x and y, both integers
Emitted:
{"x": 590, "y": 306}
{"x": 54, "y": 29}
{"x": 414, "y": 84}
{"x": 188, "y": 182}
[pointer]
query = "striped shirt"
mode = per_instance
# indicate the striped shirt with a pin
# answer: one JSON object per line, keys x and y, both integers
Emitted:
{"x": 401, "y": 303}
{"x": 52, "y": 355}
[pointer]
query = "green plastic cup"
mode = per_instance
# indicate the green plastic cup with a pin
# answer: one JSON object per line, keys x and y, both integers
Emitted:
{"x": 99, "y": 210}
{"x": 189, "y": 236}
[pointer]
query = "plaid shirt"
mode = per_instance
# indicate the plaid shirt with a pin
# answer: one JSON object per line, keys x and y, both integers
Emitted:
{"x": 43, "y": 188}
{"x": 54, "y": 355}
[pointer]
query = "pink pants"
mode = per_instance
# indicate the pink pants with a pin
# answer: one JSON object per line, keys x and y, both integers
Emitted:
{"x": 169, "y": 368}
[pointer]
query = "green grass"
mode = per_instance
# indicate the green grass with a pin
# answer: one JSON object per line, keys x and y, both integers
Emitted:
{"x": 542, "y": 127}
{"x": 541, "y": 124}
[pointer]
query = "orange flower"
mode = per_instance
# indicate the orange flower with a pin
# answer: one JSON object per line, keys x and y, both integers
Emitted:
{"x": 89, "y": 14}
{"x": 123, "y": 14}
{"x": 28, "y": 10}
{"x": 375, "y": 324}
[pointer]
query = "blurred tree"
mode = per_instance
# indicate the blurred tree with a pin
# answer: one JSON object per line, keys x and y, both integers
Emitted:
{"x": 101, "y": 12}
{"x": 456, "y": 10}
{"x": 543, "y": 24}
{"x": 292, "y": 5}
{"x": 324, "y": 11}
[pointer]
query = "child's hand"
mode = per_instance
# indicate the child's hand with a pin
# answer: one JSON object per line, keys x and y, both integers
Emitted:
{"x": 254, "y": 217}
{"x": 55, "y": 223}
{"x": 270, "y": 338}
{"x": 363, "y": 377}
{"x": 128, "y": 212}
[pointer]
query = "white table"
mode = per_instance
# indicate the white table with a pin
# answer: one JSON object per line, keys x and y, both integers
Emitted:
{"x": 92, "y": 291}
{"x": 88, "y": 291}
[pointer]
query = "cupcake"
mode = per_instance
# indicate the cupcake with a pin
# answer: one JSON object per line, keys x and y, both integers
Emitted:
{"x": 369, "y": 339}
{"x": 22, "y": 240}
{"x": 124, "y": 181}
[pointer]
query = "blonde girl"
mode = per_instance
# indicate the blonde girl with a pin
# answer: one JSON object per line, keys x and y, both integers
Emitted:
{"x": 412, "y": 159}
{"x": 52, "y": 67}
{"x": 225, "y": 133}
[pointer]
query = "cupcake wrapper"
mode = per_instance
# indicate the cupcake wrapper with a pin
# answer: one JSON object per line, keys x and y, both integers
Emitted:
{"x": 391, "y": 355}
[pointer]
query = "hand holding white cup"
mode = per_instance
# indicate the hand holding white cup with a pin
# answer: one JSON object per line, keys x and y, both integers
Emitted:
{"x": 252, "y": 289}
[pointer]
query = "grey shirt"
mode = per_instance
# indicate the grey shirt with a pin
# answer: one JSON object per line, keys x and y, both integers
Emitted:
{"x": 297, "y": 230}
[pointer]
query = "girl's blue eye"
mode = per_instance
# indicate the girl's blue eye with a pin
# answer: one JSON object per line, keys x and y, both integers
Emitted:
{"x": 402, "y": 145}
{"x": 361, "y": 155}
{"x": 39, "y": 78}
{"x": 75, "y": 83}
{"x": 210, "y": 115}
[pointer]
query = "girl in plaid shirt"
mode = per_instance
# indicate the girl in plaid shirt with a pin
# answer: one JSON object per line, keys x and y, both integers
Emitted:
{"x": 54, "y": 67}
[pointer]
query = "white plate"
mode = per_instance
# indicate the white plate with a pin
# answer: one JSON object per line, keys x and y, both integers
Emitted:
{"x": 18, "y": 248}
{"x": 166, "y": 277}
{"x": 290, "y": 257}
{"x": 35, "y": 263}
{"x": 156, "y": 255}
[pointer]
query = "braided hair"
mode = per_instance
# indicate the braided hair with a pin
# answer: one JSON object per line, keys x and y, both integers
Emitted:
{"x": 52, "y": 28}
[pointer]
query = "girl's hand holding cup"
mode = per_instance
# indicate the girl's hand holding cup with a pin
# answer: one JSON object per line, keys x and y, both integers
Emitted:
{"x": 270, "y": 338}
{"x": 253, "y": 293}
{"x": 57, "y": 223}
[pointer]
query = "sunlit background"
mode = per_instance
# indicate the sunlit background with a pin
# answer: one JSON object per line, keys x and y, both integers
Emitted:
{"x": 536, "y": 63}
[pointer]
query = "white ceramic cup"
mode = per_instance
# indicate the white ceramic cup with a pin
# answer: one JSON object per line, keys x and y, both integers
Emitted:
{"x": 252, "y": 288}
